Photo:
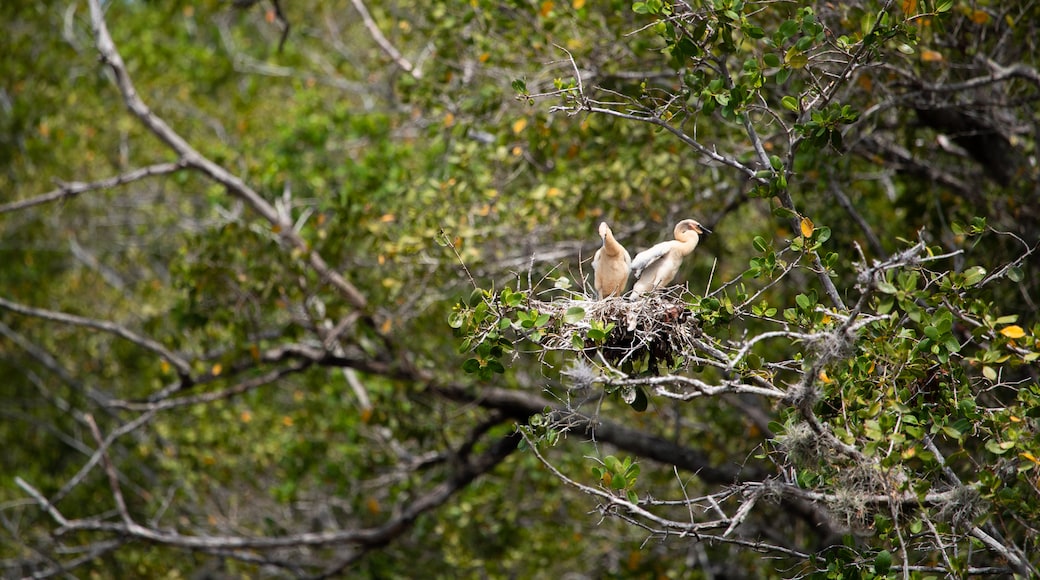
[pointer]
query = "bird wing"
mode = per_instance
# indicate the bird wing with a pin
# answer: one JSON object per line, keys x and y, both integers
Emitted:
{"x": 643, "y": 259}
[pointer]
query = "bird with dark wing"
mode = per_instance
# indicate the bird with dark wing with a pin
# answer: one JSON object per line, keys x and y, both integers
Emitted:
{"x": 656, "y": 268}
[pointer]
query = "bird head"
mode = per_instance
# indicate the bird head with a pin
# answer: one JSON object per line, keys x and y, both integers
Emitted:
{"x": 685, "y": 226}
{"x": 604, "y": 229}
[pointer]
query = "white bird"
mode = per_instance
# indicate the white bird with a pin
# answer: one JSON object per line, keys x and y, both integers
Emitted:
{"x": 611, "y": 265}
{"x": 656, "y": 267}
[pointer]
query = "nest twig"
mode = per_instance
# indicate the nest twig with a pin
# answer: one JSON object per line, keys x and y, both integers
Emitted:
{"x": 658, "y": 326}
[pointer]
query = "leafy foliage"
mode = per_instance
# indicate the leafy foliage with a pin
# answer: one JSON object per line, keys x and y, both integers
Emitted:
{"x": 296, "y": 310}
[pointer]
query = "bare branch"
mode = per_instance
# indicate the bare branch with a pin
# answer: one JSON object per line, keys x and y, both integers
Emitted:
{"x": 383, "y": 43}
{"x": 465, "y": 473}
{"x": 70, "y": 190}
{"x": 182, "y": 366}
{"x": 240, "y": 388}
{"x": 110, "y": 470}
{"x": 192, "y": 158}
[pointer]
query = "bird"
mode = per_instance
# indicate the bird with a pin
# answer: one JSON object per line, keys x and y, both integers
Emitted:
{"x": 656, "y": 267}
{"x": 611, "y": 265}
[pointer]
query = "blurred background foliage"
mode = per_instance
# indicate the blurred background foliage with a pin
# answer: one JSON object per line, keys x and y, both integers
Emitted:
{"x": 398, "y": 179}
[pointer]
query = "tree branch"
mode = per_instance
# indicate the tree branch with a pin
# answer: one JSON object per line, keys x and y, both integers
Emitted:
{"x": 383, "y": 43}
{"x": 195, "y": 160}
{"x": 76, "y": 188}
{"x": 182, "y": 366}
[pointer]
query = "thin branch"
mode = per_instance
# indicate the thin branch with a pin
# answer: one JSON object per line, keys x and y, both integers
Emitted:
{"x": 192, "y": 158}
{"x": 110, "y": 470}
{"x": 70, "y": 190}
{"x": 182, "y": 366}
{"x": 99, "y": 453}
{"x": 465, "y": 473}
{"x": 383, "y": 43}
{"x": 240, "y": 388}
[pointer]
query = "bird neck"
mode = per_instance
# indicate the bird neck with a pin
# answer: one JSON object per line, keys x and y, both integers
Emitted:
{"x": 689, "y": 243}
{"x": 610, "y": 245}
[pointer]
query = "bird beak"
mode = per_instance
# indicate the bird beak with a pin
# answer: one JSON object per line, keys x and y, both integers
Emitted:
{"x": 704, "y": 230}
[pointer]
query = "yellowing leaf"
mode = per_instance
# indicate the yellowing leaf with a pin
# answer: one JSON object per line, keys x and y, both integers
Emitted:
{"x": 826, "y": 380}
{"x": 865, "y": 82}
{"x": 578, "y": 4}
{"x": 216, "y": 370}
{"x": 373, "y": 506}
{"x": 546, "y": 8}
{"x": 287, "y": 421}
{"x": 979, "y": 17}
{"x": 807, "y": 227}
{"x": 1013, "y": 331}
{"x": 910, "y": 7}
{"x": 449, "y": 120}
{"x": 387, "y": 218}
{"x": 164, "y": 367}
{"x": 931, "y": 56}
{"x": 519, "y": 125}
{"x": 246, "y": 416}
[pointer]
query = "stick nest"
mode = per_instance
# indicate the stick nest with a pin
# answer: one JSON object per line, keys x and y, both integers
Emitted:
{"x": 659, "y": 326}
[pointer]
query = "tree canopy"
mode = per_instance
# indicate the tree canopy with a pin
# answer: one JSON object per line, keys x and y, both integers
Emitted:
{"x": 305, "y": 289}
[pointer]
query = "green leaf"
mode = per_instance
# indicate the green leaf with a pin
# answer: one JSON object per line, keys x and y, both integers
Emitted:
{"x": 790, "y": 103}
{"x": 639, "y": 402}
{"x": 999, "y": 447}
{"x": 771, "y": 60}
{"x": 456, "y": 319}
{"x": 475, "y": 297}
{"x": 471, "y": 365}
{"x": 943, "y": 6}
{"x": 574, "y": 314}
{"x": 883, "y": 563}
{"x": 803, "y": 301}
{"x": 783, "y": 212}
{"x": 795, "y": 59}
{"x": 887, "y": 287}
{"x": 989, "y": 372}
{"x": 932, "y": 333}
{"x": 974, "y": 275}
